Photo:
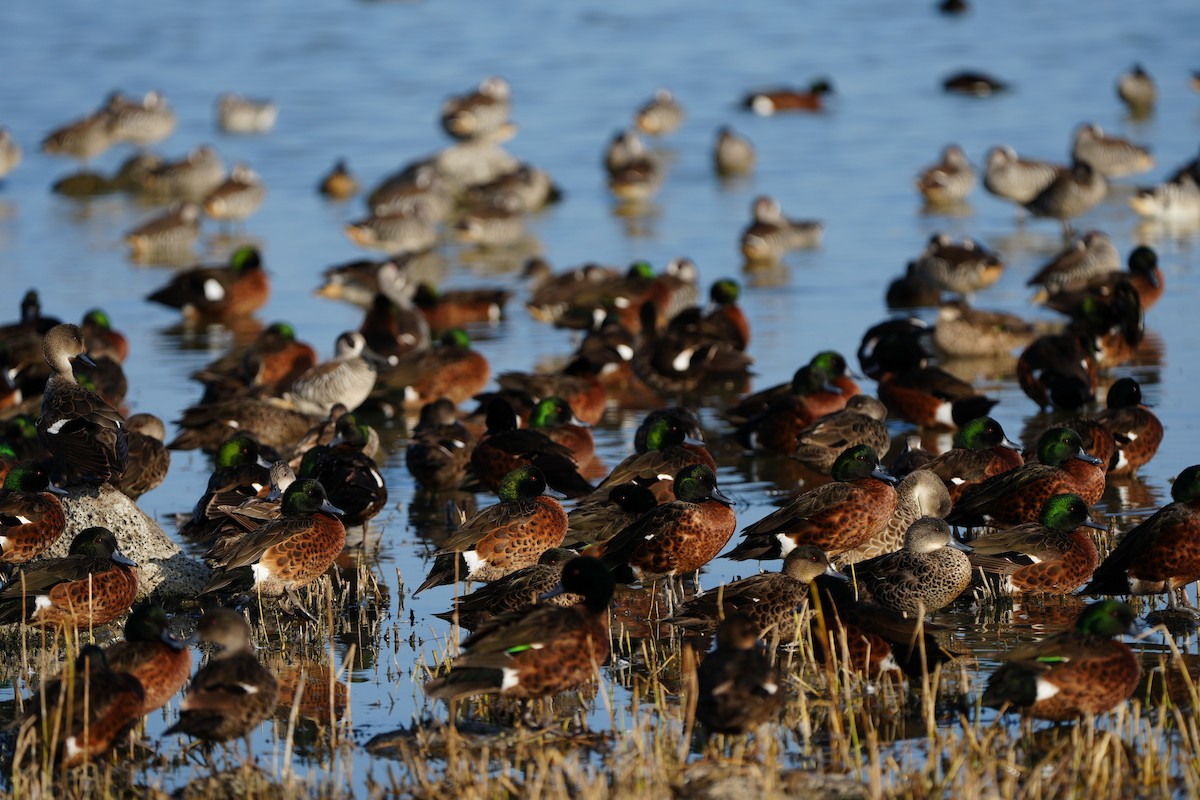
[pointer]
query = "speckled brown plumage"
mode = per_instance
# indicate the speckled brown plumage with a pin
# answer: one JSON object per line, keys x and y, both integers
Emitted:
{"x": 924, "y": 576}
{"x": 770, "y": 601}
{"x": 679, "y": 537}
{"x": 860, "y": 422}
{"x": 31, "y": 517}
{"x": 1018, "y": 495}
{"x": 540, "y": 651}
{"x": 506, "y": 447}
{"x": 598, "y": 521}
{"x": 504, "y": 537}
{"x": 920, "y": 494}
{"x": 836, "y": 517}
{"x": 91, "y": 586}
{"x": 1136, "y": 429}
{"x": 981, "y": 450}
{"x": 515, "y": 591}
{"x": 1070, "y": 674}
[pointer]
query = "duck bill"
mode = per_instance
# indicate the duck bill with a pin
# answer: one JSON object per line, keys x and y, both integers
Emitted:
{"x": 52, "y": 489}
{"x": 829, "y": 387}
{"x": 557, "y": 591}
{"x": 830, "y": 572}
{"x": 957, "y": 545}
{"x": 1089, "y": 458}
{"x": 693, "y": 440}
{"x": 1011, "y": 445}
{"x": 330, "y": 508}
{"x": 555, "y": 493}
{"x": 173, "y": 643}
{"x": 84, "y": 358}
{"x": 720, "y": 497}
{"x": 121, "y": 558}
{"x": 262, "y": 462}
{"x": 1091, "y": 523}
{"x": 883, "y": 475}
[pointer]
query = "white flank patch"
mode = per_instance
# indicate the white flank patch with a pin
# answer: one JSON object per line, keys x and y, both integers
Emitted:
{"x": 1045, "y": 689}
{"x": 459, "y": 444}
{"x": 4, "y": 542}
{"x": 1130, "y": 435}
{"x": 233, "y": 423}
{"x": 410, "y": 395}
{"x": 957, "y": 481}
{"x": 213, "y": 291}
{"x": 683, "y": 360}
{"x": 57, "y": 426}
{"x": 40, "y": 602}
{"x": 1122, "y": 461}
{"x": 378, "y": 478}
{"x": 510, "y": 680}
{"x": 624, "y": 351}
{"x": 248, "y": 689}
{"x": 945, "y": 415}
{"x": 23, "y": 520}
{"x": 889, "y": 664}
{"x": 786, "y": 545}
{"x": 771, "y": 688}
{"x": 72, "y": 747}
{"x": 474, "y": 561}
{"x": 621, "y": 302}
{"x": 260, "y": 573}
{"x": 762, "y": 105}
{"x": 493, "y": 312}
{"x": 662, "y": 476}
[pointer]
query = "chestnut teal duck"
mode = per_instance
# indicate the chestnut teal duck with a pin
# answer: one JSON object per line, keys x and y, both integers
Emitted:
{"x": 440, "y": 448}
{"x": 1054, "y": 555}
{"x": 285, "y": 554}
{"x": 541, "y": 651}
{"x": 84, "y": 434}
{"x": 160, "y": 662}
{"x": 836, "y": 516}
{"x": 737, "y": 686}
{"x": 733, "y": 154}
{"x": 981, "y": 450}
{"x": 1019, "y": 495}
{"x": 92, "y": 585}
{"x": 504, "y": 537}
{"x": 1136, "y": 429}
{"x": 596, "y": 521}
{"x": 1071, "y": 674}
{"x": 31, "y": 516}
{"x": 920, "y": 493}
{"x": 1160, "y": 555}
{"x": 233, "y": 693}
{"x": 676, "y": 539}
{"x": 234, "y": 290}
{"x": 238, "y": 114}
{"x": 950, "y": 180}
{"x": 88, "y": 710}
{"x": 768, "y": 102}
{"x": 1059, "y": 370}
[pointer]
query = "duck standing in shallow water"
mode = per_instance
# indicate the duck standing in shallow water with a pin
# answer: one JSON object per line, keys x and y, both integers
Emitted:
{"x": 87, "y": 711}
{"x": 505, "y": 537}
{"x": 924, "y": 576}
{"x": 1071, "y": 674}
{"x": 837, "y": 516}
{"x": 737, "y": 686}
{"x": 85, "y": 435}
{"x": 233, "y": 692}
{"x": 288, "y": 553}
{"x": 160, "y": 662}
{"x": 1161, "y": 554}
{"x": 539, "y": 652}
{"x": 675, "y": 539}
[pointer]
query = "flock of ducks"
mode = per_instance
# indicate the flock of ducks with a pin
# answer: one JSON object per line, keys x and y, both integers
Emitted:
{"x": 295, "y": 463}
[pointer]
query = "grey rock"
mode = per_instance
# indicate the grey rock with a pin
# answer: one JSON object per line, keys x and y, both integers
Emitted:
{"x": 163, "y": 570}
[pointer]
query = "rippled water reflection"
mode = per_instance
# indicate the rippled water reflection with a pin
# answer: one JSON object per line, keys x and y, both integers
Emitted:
{"x": 365, "y": 80}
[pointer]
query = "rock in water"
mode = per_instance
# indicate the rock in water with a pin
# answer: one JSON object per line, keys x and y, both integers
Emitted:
{"x": 164, "y": 571}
